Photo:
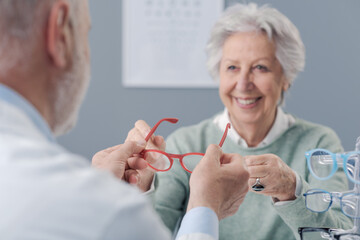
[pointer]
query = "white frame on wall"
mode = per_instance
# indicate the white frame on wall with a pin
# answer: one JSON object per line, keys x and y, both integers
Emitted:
{"x": 163, "y": 42}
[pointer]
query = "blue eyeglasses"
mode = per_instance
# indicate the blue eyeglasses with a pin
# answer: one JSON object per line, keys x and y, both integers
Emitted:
{"x": 323, "y": 163}
{"x": 318, "y": 200}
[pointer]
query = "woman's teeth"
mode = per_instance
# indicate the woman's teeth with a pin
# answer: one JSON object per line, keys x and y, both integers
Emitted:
{"x": 246, "y": 101}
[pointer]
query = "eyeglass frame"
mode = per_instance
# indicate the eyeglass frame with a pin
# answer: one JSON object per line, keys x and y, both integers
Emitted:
{"x": 333, "y": 195}
{"x": 170, "y": 156}
{"x": 336, "y": 157}
{"x": 333, "y": 232}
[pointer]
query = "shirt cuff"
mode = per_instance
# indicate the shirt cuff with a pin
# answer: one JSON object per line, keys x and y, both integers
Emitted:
{"x": 200, "y": 220}
{"x": 298, "y": 189}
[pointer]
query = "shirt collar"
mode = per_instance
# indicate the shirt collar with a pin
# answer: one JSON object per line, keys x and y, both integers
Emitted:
{"x": 282, "y": 122}
{"x": 11, "y": 97}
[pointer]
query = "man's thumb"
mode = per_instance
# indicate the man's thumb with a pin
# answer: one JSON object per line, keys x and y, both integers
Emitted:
{"x": 213, "y": 155}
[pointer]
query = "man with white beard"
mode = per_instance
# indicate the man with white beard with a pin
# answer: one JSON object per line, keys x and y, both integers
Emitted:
{"x": 48, "y": 193}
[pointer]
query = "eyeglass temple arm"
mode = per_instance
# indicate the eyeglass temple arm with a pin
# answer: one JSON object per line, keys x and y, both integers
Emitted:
{"x": 171, "y": 120}
{"x": 228, "y": 126}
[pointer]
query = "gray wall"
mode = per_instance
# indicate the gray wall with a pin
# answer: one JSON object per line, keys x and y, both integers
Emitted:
{"x": 326, "y": 92}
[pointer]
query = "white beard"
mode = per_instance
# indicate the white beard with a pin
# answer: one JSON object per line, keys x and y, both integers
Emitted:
{"x": 69, "y": 93}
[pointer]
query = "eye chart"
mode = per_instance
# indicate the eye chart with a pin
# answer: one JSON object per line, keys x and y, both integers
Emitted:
{"x": 164, "y": 42}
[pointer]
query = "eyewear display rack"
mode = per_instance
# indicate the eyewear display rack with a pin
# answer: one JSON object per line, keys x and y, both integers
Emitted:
{"x": 356, "y": 228}
{"x": 356, "y": 189}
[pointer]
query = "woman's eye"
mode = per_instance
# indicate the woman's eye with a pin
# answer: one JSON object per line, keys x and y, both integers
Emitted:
{"x": 232, "y": 67}
{"x": 261, "y": 68}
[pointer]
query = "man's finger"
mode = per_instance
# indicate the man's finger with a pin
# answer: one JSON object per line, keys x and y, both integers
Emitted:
{"x": 137, "y": 163}
{"x": 119, "y": 157}
{"x": 234, "y": 164}
{"x": 212, "y": 155}
{"x": 128, "y": 149}
{"x": 134, "y": 135}
{"x": 132, "y": 177}
{"x": 159, "y": 141}
{"x": 143, "y": 127}
{"x": 229, "y": 157}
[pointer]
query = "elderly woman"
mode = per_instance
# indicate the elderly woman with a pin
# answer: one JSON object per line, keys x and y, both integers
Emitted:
{"x": 256, "y": 53}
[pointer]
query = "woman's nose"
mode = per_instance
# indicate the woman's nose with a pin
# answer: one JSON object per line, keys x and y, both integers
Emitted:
{"x": 244, "y": 81}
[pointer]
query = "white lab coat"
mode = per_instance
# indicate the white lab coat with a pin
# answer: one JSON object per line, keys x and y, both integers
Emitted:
{"x": 48, "y": 193}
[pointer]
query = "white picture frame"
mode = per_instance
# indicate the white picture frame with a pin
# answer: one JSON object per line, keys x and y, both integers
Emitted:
{"x": 163, "y": 42}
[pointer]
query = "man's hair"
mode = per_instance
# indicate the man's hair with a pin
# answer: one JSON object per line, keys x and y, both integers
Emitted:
{"x": 290, "y": 50}
{"x": 21, "y": 25}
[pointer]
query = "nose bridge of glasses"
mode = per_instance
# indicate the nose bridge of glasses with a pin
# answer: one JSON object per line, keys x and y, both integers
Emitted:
{"x": 336, "y": 196}
{"x": 171, "y": 120}
{"x": 339, "y": 158}
{"x": 347, "y": 156}
{"x": 173, "y": 155}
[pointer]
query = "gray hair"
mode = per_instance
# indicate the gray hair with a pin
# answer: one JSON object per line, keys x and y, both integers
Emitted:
{"x": 290, "y": 50}
{"x": 21, "y": 25}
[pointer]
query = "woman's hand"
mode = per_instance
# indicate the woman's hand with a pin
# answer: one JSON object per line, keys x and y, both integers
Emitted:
{"x": 276, "y": 176}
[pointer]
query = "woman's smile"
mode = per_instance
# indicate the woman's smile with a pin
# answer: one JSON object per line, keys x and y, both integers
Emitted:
{"x": 247, "y": 103}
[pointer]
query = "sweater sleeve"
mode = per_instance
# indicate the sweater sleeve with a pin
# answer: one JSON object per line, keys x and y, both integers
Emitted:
{"x": 295, "y": 214}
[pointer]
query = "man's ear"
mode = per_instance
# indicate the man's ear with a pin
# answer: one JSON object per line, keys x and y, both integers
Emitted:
{"x": 58, "y": 39}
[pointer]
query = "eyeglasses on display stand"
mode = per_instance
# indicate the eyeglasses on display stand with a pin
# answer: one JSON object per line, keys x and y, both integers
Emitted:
{"x": 322, "y": 165}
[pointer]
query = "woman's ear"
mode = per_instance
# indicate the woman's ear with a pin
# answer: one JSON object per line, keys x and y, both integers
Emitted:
{"x": 58, "y": 37}
{"x": 286, "y": 85}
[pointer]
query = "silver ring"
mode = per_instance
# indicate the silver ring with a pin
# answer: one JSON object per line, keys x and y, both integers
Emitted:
{"x": 257, "y": 187}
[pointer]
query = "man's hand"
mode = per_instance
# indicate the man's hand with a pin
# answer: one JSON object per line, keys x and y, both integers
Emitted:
{"x": 125, "y": 160}
{"x": 121, "y": 159}
{"x": 219, "y": 181}
{"x": 144, "y": 176}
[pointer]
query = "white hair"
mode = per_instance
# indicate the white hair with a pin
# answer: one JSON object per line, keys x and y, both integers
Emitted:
{"x": 21, "y": 25}
{"x": 290, "y": 50}
{"x": 70, "y": 91}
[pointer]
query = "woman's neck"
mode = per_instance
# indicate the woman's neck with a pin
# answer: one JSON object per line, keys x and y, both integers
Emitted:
{"x": 253, "y": 133}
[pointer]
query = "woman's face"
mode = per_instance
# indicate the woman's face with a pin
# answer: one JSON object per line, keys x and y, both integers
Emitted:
{"x": 251, "y": 78}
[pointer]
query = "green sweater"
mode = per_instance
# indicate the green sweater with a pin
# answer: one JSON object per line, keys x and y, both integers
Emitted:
{"x": 257, "y": 217}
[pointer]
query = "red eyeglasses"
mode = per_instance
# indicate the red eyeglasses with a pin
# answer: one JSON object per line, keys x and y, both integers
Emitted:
{"x": 162, "y": 161}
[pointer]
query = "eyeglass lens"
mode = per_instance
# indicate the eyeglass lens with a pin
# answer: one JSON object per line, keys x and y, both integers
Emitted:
{"x": 319, "y": 201}
{"x": 350, "y": 166}
{"x": 349, "y": 205}
{"x": 322, "y": 164}
{"x": 190, "y": 161}
{"x": 157, "y": 160}
{"x": 316, "y": 235}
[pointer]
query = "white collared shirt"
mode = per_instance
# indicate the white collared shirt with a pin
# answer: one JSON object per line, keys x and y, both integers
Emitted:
{"x": 282, "y": 122}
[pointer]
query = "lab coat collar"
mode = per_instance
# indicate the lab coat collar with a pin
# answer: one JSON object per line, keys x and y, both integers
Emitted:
{"x": 12, "y": 97}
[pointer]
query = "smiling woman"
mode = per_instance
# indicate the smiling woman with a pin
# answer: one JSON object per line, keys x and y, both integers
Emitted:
{"x": 256, "y": 53}
{"x": 251, "y": 83}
